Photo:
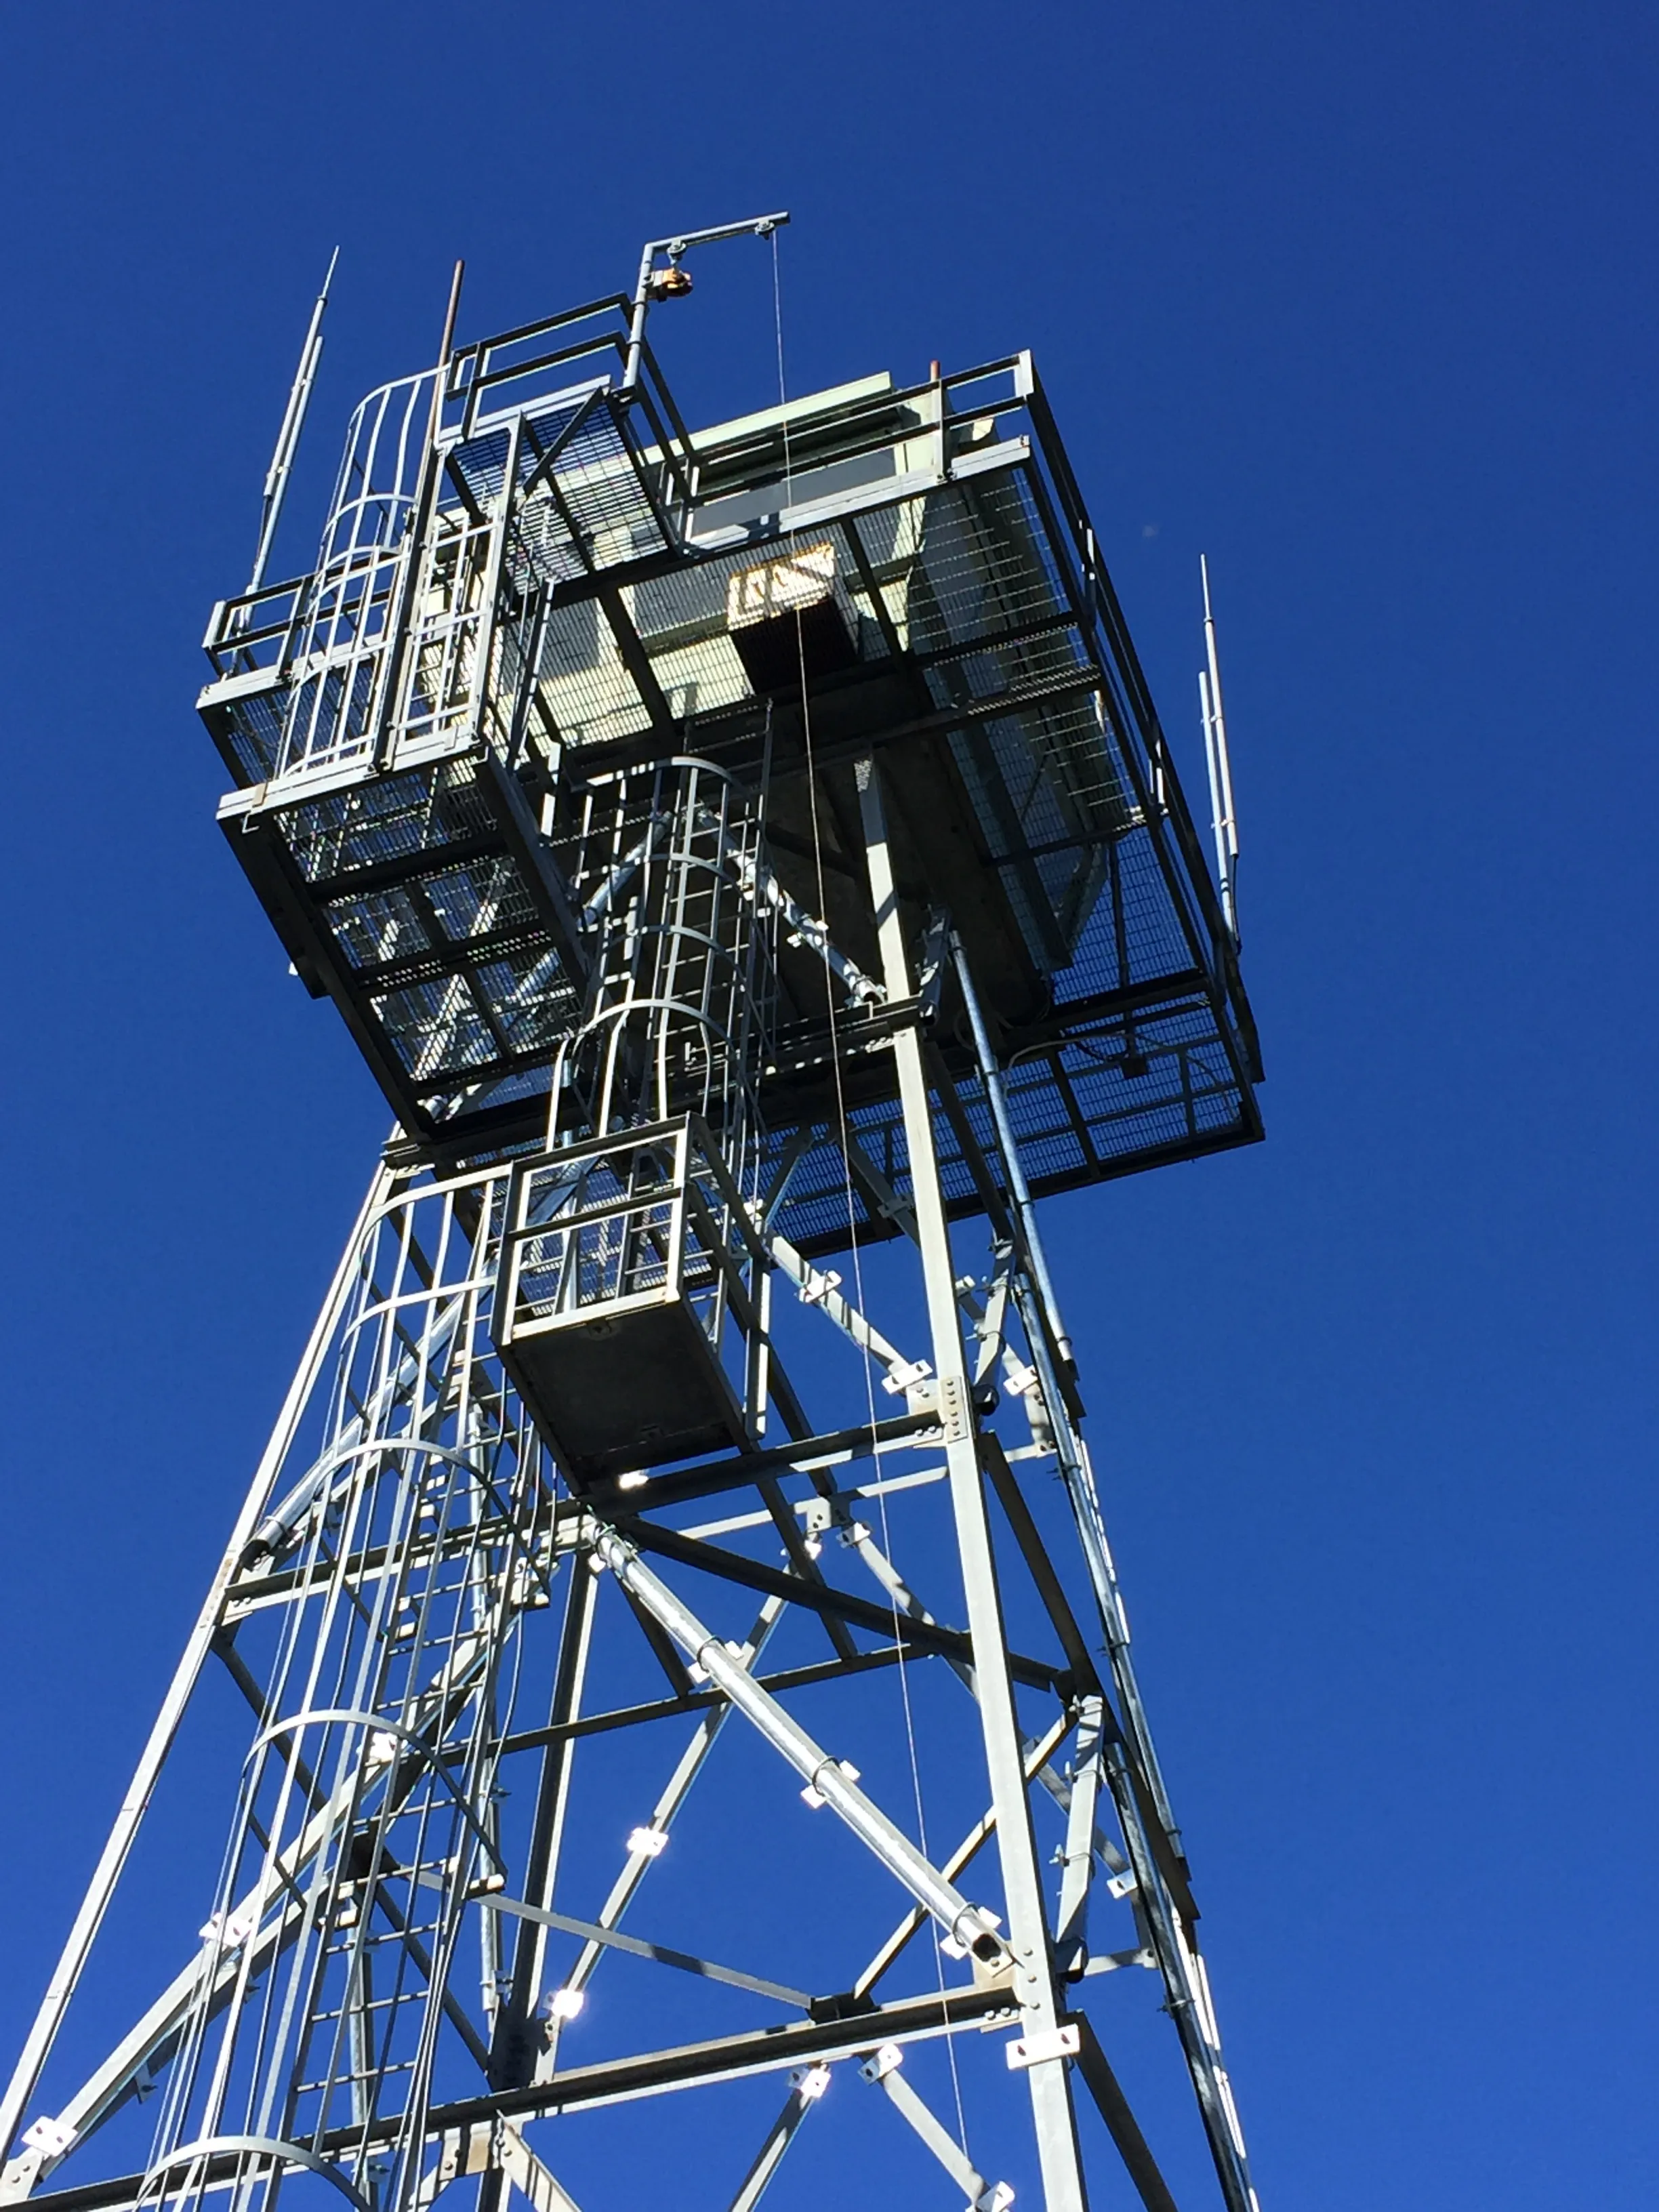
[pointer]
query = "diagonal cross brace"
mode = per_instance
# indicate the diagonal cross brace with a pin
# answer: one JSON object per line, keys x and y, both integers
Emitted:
{"x": 613, "y": 1938}
{"x": 884, "y": 2070}
{"x": 966, "y": 1923}
{"x": 670, "y": 1799}
{"x": 492, "y": 2145}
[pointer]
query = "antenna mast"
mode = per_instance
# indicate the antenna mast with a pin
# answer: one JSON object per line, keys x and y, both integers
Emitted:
{"x": 1224, "y": 821}
{"x": 288, "y": 438}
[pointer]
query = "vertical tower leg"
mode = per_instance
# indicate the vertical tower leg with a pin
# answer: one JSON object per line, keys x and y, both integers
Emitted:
{"x": 1035, "y": 1987}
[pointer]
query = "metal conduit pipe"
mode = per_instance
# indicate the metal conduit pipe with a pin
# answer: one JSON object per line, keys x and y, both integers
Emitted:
{"x": 1069, "y": 1450}
{"x": 969, "y": 1925}
{"x": 1019, "y": 1189}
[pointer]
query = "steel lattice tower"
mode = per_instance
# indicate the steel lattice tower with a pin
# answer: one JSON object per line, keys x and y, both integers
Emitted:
{"x": 732, "y": 854}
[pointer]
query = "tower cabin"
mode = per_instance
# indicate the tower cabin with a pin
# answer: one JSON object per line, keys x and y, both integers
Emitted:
{"x": 534, "y": 581}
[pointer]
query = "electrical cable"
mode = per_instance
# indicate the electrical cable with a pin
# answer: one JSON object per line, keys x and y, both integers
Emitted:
{"x": 854, "y": 1252}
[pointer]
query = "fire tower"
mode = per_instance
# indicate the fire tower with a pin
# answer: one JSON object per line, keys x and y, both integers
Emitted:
{"x": 690, "y": 1741}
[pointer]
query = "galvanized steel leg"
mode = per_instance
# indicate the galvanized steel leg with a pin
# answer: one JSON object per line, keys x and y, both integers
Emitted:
{"x": 1033, "y": 1977}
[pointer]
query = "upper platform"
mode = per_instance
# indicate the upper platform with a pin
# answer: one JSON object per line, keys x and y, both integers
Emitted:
{"x": 532, "y": 577}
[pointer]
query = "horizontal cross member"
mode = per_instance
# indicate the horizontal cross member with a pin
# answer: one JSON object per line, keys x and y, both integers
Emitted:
{"x": 679, "y": 1485}
{"x": 617, "y": 2081}
{"x": 687, "y": 1962}
{"x": 822, "y": 1597}
{"x": 788, "y": 1678}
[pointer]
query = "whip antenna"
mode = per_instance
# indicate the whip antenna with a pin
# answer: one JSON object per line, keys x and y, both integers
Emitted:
{"x": 1224, "y": 821}
{"x": 288, "y": 438}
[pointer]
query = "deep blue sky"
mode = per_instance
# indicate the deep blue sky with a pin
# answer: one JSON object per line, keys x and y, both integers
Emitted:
{"x": 1359, "y": 299}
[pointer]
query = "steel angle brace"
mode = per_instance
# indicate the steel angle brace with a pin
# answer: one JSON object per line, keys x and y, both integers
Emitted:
{"x": 752, "y": 1316}
{"x": 1095, "y": 1719}
{"x": 901, "y": 1432}
{"x": 877, "y": 1189}
{"x": 648, "y": 2074}
{"x": 841, "y": 1501}
{"x": 821, "y": 1287}
{"x": 616, "y": 2081}
{"x": 966, "y": 1923}
{"x": 807, "y": 2088}
{"x": 753, "y": 1574}
{"x": 513, "y": 2056}
{"x": 802, "y": 1555}
{"x": 705, "y": 1700}
{"x": 884, "y": 2070}
{"x": 1038, "y": 1565}
{"x": 873, "y": 592}
{"x": 489, "y": 596}
{"x": 1092, "y": 1842}
{"x": 859, "y": 1537}
{"x": 1037, "y": 1756}
{"x": 1187, "y": 1992}
{"x": 1036, "y": 692}
{"x": 1121, "y": 2125}
{"x": 662, "y": 1647}
{"x": 990, "y": 1320}
{"x": 905, "y": 1600}
{"x": 649, "y": 1840}
{"x": 631, "y": 652}
{"x": 1078, "y": 1859}
{"x": 1132, "y": 1768}
{"x": 726, "y": 2058}
{"x": 828, "y": 1509}
{"x": 613, "y": 1939}
{"x": 783, "y": 1175}
{"x": 492, "y": 2147}
{"x": 805, "y": 2091}
{"x": 989, "y": 1314}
